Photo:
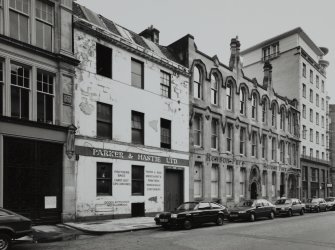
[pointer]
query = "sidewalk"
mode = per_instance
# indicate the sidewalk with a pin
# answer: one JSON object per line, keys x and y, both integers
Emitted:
{"x": 114, "y": 226}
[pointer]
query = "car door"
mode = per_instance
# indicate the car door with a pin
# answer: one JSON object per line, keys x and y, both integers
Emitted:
{"x": 216, "y": 209}
{"x": 295, "y": 206}
{"x": 267, "y": 208}
{"x": 323, "y": 204}
{"x": 259, "y": 210}
{"x": 204, "y": 210}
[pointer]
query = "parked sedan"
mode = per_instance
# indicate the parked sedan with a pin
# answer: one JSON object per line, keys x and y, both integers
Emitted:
{"x": 316, "y": 205}
{"x": 330, "y": 201}
{"x": 12, "y": 226}
{"x": 252, "y": 210}
{"x": 189, "y": 214}
{"x": 289, "y": 207}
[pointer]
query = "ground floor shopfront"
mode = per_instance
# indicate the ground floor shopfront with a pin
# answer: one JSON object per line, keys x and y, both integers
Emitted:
{"x": 121, "y": 180}
{"x": 316, "y": 178}
{"x": 229, "y": 179}
{"x": 34, "y": 171}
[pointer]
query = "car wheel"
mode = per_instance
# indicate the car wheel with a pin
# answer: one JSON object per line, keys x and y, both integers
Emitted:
{"x": 318, "y": 210}
{"x": 5, "y": 241}
{"x": 272, "y": 215}
{"x": 187, "y": 225}
{"x": 252, "y": 217}
{"x": 289, "y": 213}
{"x": 302, "y": 212}
{"x": 219, "y": 220}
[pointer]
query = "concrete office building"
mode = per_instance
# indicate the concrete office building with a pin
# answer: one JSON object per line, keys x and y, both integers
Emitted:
{"x": 299, "y": 71}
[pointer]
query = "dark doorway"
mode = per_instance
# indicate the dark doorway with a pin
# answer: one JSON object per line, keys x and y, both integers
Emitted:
{"x": 137, "y": 210}
{"x": 253, "y": 191}
{"x": 33, "y": 179}
{"x": 282, "y": 185}
{"x": 292, "y": 187}
{"x": 173, "y": 189}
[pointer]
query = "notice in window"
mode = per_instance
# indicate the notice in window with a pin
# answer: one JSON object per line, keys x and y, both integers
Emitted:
{"x": 50, "y": 202}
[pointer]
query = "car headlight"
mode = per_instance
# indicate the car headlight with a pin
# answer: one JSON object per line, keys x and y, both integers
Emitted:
{"x": 242, "y": 212}
{"x": 174, "y": 216}
{"x": 157, "y": 216}
{"x": 282, "y": 208}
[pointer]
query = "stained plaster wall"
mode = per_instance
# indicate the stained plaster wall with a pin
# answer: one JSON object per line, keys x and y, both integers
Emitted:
{"x": 91, "y": 88}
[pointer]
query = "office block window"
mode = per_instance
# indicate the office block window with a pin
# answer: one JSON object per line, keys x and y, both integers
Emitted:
{"x": 311, "y": 95}
{"x": 304, "y": 70}
{"x": 165, "y": 133}
{"x": 104, "y": 179}
{"x": 323, "y": 104}
{"x": 137, "y": 73}
{"x": 19, "y": 12}
{"x": 137, "y": 180}
{"x": 20, "y": 88}
{"x": 304, "y": 132}
{"x": 317, "y": 139}
{"x": 137, "y": 127}
{"x": 104, "y": 60}
{"x": 44, "y": 24}
{"x": 165, "y": 84}
{"x": 311, "y": 76}
{"x": 303, "y": 111}
{"x": 317, "y": 81}
{"x": 311, "y": 115}
{"x": 322, "y": 121}
{"x": 317, "y": 118}
{"x": 304, "y": 90}
{"x": 311, "y": 135}
{"x": 45, "y": 97}
{"x": 317, "y": 100}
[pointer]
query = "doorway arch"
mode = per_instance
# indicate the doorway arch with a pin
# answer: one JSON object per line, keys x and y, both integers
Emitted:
{"x": 292, "y": 186}
{"x": 253, "y": 191}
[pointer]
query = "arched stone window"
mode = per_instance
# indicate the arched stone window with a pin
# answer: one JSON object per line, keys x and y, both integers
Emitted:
{"x": 229, "y": 94}
{"x": 214, "y": 89}
{"x": 282, "y": 119}
{"x": 242, "y": 101}
{"x": 264, "y": 112}
{"x": 282, "y": 151}
{"x": 274, "y": 115}
{"x": 289, "y": 122}
{"x": 197, "y": 84}
{"x": 254, "y": 106}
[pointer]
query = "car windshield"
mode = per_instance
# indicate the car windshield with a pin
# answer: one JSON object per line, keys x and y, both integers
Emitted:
{"x": 187, "y": 206}
{"x": 330, "y": 199}
{"x": 312, "y": 201}
{"x": 283, "y": 201}
{"x": 246, "y": 204}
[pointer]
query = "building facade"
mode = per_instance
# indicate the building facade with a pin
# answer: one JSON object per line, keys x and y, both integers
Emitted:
{"x": 244, "y": 137}
{"x": 332, "y": 148}
{"x": 299, "y": 71}
{"x": 131, "y": 114}
{"x": 36, "y": 131}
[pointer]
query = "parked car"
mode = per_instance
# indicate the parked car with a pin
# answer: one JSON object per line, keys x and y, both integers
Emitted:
{"x": 252, "y": 210}
{"x": 12, "y": 226}
{"x": 330, "y": 201}
{"x": 289, "y": 206}
{"x": 316, "y": 205}
{"x": 189, "y": 214}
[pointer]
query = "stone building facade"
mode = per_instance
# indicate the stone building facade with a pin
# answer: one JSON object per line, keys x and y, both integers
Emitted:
{"x": 244, "y": 137}
{"x": 299, "y": 71}
{"x": 131, "y": 114}
{"x": 36, "y": 132}
{"x": 331, "y": 185}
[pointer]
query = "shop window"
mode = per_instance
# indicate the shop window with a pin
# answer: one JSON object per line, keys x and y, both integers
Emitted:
{"x": 104, "y": 60}
{"x": 137, "y": 180}
{"x": 165, "y": 84}
{"x": 215, "y": 181}
{"x": 165, "y": 133}
{"x": 45, "y": 97}
{"x": 137, "y": 127}
{"x": 104, "y": 179}
{"x": 44, "y": 25}
{"x": 197, "y": 180}
{"x": 20, "y": 88}
{"x": 137, "y": 73}
{"x": 19, "y": 20}
{"x": 104, "y": 120}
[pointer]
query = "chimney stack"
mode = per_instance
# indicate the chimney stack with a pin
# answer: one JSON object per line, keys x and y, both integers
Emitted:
{"x": 234, "y": 53}
{"x": 151, "y": 33}
{"x": 267, "y": 80}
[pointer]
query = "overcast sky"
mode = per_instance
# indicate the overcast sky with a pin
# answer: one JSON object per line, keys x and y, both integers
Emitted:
{"x": 214, "y": 22}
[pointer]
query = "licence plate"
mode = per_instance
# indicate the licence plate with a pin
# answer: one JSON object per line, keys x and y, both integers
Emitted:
{"x": 233, "y": 215}
{"x": 163, "y": 220}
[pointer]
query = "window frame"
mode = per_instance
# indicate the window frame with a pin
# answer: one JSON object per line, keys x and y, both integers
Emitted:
{"x": 198, "y": 131}
{"x": 214, "y": 90}
{"x": 229, "y": 96}
{"x": 141, "y": 64}
{"x": 254, "y": 144}
{"x": 141, "y": 181}
{"x": 197, "y": 83}
{"x": 230, "y": 137}
{"x": 215, "y": 181}
{"x": 254, "y": 106}
{"x": 102, "y": 53}
{"x": 46, "y": 94}
{"x": 215, "y": 134}
{"x": 141, "y": 130}
{"x": 21, "y": 13}
{"x": 45, "y": 22}
{"x": 165, "y": 77}
{"x": 108, "y": 179}
{"x": 102, "y": 120}
{"x": 167, "y": 127}
{"x": 243, "y": 141}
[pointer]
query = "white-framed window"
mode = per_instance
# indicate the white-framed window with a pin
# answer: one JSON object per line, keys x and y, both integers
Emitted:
{"x": 19, "y": 12}
{"x": 230, "y": 137}
{"x": 243, "y": 177}
{"x": 214, "y": 89}
{"x": 254, "y": 144}
{"x": 229, "y": 181}
{"x": 45, "y": 97}
{"x": 242, "y": 140}
{"x": 254, "y": 106}
{"x": 44, "y": 25}
{"x": 229, "y": 96}
{"x": 215, "y": 181}
{"x": 197, "y": 179}
{"x": 215, "y": 134}
{"x": 197, "y": 130}
{"x": 242, "y": 101}
{"x": 197, "y": 84}
{"x": 264, "y": 146}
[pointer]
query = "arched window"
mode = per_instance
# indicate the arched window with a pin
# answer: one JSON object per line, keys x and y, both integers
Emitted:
{"x": 197, "y": 83}
{"x": 214, "y": 89}
{"x": 254, "y": 106}
{"x": 273, "y": 149}
{"x": 282, "y": 151}
{"x": 242, "y": 101}
{"x": 229, "y": 95}
{"x": 264, "y": 110}
{"x": 274, "y": 115}
{"x": 282, "y": 119}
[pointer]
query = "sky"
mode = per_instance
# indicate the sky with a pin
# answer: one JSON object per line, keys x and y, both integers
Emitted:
{"x": 214, "y": 22}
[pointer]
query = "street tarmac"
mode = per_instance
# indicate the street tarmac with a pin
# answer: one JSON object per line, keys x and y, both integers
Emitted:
{"x": 310, "y": 231}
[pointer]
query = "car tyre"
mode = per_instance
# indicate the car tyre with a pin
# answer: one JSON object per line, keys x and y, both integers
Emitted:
{"x": 187, "y": 224}
{"x": 289, "y": 213}
{"x": 231, "y": 220}
{"x": 5, "y": 241}
{"x": 252, "y": 217}
{"x": 272, "y": 215}
{"x": 219, "y": 220}
{"x": 302, "y": 212}
{"x": 318, "y": 210}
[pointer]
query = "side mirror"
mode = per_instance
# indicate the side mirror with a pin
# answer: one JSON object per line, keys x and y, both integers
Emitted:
{"x": 258, "y": 206}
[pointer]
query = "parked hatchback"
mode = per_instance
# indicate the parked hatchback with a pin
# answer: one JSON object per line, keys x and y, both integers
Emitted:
{"x": 330, "y": 201}
{"x": 12, "y": 226}
{"x": 316, "y": 205}
{"x": 252, "y": 210}
{"x": 189, "y": 214}
{"x": 289, "y": 207}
